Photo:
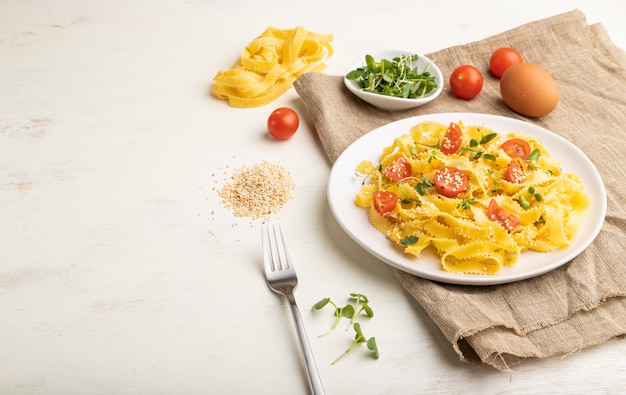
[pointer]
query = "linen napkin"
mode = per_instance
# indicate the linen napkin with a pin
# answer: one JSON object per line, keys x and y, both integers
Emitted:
{"x": 581, "y": 304}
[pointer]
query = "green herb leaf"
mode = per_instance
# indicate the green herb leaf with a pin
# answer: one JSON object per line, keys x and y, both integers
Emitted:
{"x": 410, "y": 240}
{"x": 319, "y": 305}
{"x": 487, "y": 138}
{"x": 347, "y": 311}
{"x": 533, "y": 155}
{"x": 371, "y": 345}
{"x": 466, "y": 203}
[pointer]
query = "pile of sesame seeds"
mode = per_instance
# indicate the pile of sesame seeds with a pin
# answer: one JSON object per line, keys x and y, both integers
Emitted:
{"x": 258, "y": 191}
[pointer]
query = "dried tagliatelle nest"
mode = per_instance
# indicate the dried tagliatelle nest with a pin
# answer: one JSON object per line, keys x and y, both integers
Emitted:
{"x": 258, "y": 191}
{"x": 269, "y": 65}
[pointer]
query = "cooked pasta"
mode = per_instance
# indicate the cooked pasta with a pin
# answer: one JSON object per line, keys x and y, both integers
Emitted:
{"x": 479, "y": 198}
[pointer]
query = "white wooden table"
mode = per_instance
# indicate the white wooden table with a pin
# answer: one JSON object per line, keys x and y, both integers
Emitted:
{"x": 120, "y": 270}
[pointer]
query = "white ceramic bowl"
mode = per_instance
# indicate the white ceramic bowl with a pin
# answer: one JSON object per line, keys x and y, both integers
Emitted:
{"x": 391, "y": 103}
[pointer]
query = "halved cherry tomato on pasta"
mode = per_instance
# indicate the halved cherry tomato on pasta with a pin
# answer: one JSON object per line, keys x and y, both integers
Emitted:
{"x": 517, "y": 171}
{"x": 450, "y": 181}
{"x": 498, "y": 214}
{"x": 398, "y": 170}
{"x": 384, "y": 201}
{"x": 516, "y": 148}
{"x": 452, "y": 139}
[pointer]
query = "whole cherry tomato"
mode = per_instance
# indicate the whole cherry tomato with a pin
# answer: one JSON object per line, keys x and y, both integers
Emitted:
{"x": 502, "y": 59}
{"x": 466, "y": 81}
{"x": 283, "y": 123}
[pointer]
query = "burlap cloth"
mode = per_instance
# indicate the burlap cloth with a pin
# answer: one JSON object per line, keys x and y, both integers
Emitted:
{"x": 581, "y": 304}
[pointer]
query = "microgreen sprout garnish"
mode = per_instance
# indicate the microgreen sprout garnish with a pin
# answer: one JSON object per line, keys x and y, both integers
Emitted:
{"x": 361, "y": 303}
{"x": 476, "y": 153}
{"x": 395, "y": 77}
{"x": 364, "y": 177}
{"x": 361, "y": 306}
{"x": 432, "y": 156}
{"x": 420, "y": 187}
{"x": 466, "y": 203}
{"x": 409, "y": 240}
{"x": 496, "y": 181}
{"x": 359, "y": 338}
{"x": 346, "y": 311}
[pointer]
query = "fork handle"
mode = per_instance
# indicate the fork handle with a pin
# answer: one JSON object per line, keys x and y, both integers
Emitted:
{"x": 315, "y": 382}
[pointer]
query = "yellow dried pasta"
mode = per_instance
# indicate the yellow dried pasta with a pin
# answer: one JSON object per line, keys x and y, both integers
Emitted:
{"x": 551, "y": 205}
{"x": 270, "y": 64}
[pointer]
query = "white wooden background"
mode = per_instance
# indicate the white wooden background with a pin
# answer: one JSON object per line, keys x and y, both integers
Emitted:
{"x": 120, "y": 271}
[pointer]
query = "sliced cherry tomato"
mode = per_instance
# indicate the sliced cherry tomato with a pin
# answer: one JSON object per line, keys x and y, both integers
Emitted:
{"x": 498, "y": 214}
{"x": 283, "y": 123}
{"x": 398, "y": 170}
{"x": 450, "y": 181}
{"x": 384, "y": 201}
{"x": 452, "y": 140}
{"x": 517, "y": 171}
{"x": 516, "y": 148}
{"x": 502, "y": 59}
{"x": 466, "y": 81}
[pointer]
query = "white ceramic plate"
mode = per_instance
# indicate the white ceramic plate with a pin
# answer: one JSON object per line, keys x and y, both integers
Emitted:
{"x": 344, "y": 184}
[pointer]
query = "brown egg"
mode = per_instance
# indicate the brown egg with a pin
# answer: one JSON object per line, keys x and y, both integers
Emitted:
{"x": 529, "y": 89}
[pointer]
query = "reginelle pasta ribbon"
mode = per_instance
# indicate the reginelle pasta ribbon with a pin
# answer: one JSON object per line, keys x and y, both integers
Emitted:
{"x": 270, "y": 64}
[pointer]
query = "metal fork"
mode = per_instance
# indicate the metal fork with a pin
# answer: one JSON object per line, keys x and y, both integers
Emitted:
{"x": 281, "y": 278}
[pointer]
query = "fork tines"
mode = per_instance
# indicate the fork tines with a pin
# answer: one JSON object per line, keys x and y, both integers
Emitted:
{"x": 275, "y": 252}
